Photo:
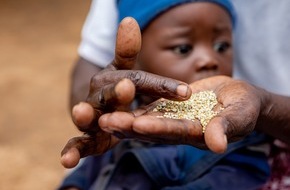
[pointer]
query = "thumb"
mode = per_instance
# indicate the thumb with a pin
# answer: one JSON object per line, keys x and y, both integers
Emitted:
{"x": 215, "y": 137}
{"x": 128, "y": 44}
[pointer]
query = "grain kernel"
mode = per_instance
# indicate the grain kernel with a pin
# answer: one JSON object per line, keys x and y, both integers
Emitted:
{"x": 199, "y": 106}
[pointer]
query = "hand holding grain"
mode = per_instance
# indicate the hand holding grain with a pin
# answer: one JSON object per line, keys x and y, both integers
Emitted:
{"x": 113, "y": 89}
{"x": 240, "y": 103}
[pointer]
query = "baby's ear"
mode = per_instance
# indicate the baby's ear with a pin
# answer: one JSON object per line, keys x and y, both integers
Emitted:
{"x": 128, "y": 44}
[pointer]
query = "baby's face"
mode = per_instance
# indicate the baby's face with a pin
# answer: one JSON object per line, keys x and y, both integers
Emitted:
{"x": 189, "y": 42}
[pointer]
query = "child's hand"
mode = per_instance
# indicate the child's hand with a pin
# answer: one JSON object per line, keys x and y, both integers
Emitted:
{"x": 113, "y": 89}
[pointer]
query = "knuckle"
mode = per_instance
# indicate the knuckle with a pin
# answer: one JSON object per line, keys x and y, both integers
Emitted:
{"x": 137, "y": 77}
{"x": 162, "y": 85}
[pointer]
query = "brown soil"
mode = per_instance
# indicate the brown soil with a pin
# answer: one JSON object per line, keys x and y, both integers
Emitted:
{"x": 38, "y": 45}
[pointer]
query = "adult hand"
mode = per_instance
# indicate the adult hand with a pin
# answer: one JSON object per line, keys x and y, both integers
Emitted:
{"x": 114, "y": 89}
{"x": 242, "y": 106}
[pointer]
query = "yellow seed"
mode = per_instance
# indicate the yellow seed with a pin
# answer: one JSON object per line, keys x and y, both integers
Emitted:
{"x": 199, "y": 106}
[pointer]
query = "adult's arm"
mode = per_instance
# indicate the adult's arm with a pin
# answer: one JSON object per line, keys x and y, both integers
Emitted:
{"x": 82, "y": 73}
{"x": 275, "y": 119}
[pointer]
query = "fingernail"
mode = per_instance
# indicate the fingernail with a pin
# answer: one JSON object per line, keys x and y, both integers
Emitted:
{"x": 183, "y": 90}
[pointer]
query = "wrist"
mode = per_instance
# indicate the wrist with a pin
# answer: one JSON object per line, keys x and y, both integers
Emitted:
{"x": 266, "y": 108}
{"x": 266, "y": 101}
{"x": 274, "y": 115}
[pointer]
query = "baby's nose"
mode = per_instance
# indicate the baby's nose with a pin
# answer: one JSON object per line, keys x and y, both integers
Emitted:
{"x": 205, "y": 60}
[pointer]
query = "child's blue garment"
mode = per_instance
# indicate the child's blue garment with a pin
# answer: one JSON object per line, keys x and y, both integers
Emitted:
{"x": 132, "y": 166}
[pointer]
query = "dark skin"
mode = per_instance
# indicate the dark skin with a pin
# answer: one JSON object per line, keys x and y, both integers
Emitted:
{"x": 247, "y": 108}
{"x": 114, "y": 87}
{"x": 187, "y": 53}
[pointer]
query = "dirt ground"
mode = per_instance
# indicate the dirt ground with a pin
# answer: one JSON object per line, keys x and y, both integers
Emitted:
{"x": 38, "y": 45}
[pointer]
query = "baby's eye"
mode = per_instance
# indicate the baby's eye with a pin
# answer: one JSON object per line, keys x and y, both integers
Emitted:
{"x": 221, "y": 47}
{"x": 182, "y": 49}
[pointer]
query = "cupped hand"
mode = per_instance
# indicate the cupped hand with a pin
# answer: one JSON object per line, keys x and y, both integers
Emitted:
{"x": 241, "y": 103}
{"x": 113, "y": 89}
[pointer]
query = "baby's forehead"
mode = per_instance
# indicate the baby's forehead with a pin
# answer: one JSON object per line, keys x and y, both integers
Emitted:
{"x": 190, "y": 19}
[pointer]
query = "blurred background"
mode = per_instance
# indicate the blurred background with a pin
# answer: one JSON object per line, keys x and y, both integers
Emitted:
{"x": 38, "y": 45}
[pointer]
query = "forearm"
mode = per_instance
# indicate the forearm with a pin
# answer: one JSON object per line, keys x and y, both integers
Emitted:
{"x": 274, "y": 119}
{"x": 80, "y": 80}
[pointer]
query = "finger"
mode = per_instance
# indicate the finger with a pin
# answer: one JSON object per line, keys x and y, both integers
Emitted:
{"x": 110, "y": 122}
{"x": 151, "y": 128}
{"x": 73, "y": 151}
{"x": 173, "y": 131}
{"x": 70, "y": 158}
{"x": 214, "y": 135}
{"x": 125, "y": 91}
{"x": 128, "y": 44}
{"x": 80, "y": 147}
{"x": 158, "y": 86}
{"x": 147, "y": 83}
{"x": 83, "y": 115}
{"x": 111, "y": 96}
{"x": 237, "y": 127}
{"x": 229, "y": 126}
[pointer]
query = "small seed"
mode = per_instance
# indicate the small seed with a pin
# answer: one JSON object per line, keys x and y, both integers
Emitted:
{"x": 200, "y": 106}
